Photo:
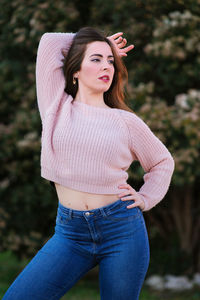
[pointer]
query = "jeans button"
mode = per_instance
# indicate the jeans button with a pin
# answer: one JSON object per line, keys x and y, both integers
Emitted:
{"x": 87, "y": 213}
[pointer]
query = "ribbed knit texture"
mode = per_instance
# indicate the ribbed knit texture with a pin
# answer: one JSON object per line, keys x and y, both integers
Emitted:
{"x": 89, "y": 148}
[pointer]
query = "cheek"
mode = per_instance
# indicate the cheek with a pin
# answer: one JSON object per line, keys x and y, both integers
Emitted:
{"x": 90, "y": 70}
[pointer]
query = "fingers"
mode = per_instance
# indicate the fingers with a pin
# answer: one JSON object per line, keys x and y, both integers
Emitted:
{"x": 128, "y": 48}
{"x": 128, "y": 192}
{"x": 133, "y": 205}
{"x": 137, "y": 203}
{"x": 121, "y": 42}
{"x": 132, "y": 195}
{"x": 128, "y": 196}
{"x": 116, "y": 35}
{"x": 122, "y": 52}
{"x": 122, "y": 195}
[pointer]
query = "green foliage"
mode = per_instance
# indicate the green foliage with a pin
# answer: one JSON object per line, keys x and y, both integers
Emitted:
{"x": 9, "y": 269}
{"x": 174, "y": 53}
{"x": 177, "y": 126}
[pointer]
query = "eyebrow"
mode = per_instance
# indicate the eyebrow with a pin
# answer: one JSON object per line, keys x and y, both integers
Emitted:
{"x": 101, "y": 55}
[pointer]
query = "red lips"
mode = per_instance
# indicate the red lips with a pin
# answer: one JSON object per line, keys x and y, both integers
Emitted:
{"x": 105, "y": 78}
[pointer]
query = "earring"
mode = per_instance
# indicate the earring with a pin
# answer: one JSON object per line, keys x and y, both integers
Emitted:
{"x": 74, "y": 81}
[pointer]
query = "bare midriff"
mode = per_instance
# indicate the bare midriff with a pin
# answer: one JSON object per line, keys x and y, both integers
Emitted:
{"x": 81, "y": 200}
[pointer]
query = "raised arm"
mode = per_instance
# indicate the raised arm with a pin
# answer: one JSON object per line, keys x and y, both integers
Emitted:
{"x": 154, "y": 158}
{"x": 50, "y": 81}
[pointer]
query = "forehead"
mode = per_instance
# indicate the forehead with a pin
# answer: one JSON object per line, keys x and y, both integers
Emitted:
{"x": 98, "y": 48}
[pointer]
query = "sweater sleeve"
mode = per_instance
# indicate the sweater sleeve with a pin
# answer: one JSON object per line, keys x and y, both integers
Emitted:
{"x": 50, "y": 81}
{"x": 154, "y": 158}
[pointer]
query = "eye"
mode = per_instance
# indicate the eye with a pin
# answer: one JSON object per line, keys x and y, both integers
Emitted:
{"x": 96, "y": 59}
{"x": 112, "y": 61}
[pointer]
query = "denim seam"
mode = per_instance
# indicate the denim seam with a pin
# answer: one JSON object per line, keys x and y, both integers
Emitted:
{"x": 144, "y": 257}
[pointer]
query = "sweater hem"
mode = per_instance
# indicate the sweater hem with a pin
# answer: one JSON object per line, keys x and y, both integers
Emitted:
{"x": 82, "y": 187}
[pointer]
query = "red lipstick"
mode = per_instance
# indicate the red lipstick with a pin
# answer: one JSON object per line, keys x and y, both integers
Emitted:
{"x": 105, "y": 78}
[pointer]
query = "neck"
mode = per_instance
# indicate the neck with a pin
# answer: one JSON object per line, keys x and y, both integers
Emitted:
{"x": 95, "y": 99}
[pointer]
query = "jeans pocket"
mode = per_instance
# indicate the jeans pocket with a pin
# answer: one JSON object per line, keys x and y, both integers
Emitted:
{"x": 124, "y": 213}
{"x": 62, "y": 219}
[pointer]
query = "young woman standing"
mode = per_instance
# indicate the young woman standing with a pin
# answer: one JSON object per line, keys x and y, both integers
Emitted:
{"x": 90, "y": 137}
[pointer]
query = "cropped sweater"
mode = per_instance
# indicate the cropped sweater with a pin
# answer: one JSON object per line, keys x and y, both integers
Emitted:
{"x": 89, "y": 148}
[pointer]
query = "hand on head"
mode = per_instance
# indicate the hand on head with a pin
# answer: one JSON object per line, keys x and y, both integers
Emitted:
{"x": 119, "y": 43}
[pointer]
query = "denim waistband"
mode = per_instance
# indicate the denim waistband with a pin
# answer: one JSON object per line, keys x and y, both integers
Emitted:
{"x": 103, "y": 211}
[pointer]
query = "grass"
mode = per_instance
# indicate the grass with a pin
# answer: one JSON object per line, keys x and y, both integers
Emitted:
{"x": 86, "y": 288}
{"x": 89, "y": 290}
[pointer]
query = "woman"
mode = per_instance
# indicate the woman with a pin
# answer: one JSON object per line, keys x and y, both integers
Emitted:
{"x": 89, "y": 140}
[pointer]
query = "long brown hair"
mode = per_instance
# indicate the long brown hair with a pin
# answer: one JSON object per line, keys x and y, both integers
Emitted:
{"x": 115, "y": 96}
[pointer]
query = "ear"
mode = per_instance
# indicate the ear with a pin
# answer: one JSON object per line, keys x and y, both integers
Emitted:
{"x": 76, "y": 75}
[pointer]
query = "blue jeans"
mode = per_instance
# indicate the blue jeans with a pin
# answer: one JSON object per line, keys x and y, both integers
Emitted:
{"x": 112, "y": 236}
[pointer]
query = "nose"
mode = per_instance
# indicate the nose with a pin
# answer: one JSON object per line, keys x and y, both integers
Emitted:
{"x": 106, "y": 65}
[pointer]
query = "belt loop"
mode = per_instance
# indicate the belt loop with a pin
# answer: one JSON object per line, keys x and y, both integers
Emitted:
{"x": 70, "y": 213}
{"x": 102, "y": 211}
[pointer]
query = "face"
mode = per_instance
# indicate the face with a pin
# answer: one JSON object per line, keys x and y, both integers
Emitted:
{"x": 97, "y": 68}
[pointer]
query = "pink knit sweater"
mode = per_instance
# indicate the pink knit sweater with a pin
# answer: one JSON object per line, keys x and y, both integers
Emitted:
{"x": 89, "y": 148}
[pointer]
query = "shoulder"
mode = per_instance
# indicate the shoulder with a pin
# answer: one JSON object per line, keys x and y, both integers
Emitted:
{"x": 132, "y": 120}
